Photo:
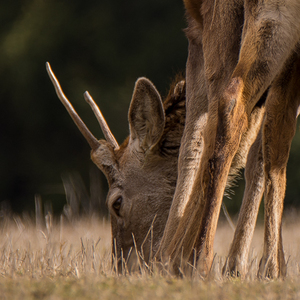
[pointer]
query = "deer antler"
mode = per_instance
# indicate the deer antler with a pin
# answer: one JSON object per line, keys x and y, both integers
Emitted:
{"x": 93, "y": 142}
{"x": 105, "y": 129}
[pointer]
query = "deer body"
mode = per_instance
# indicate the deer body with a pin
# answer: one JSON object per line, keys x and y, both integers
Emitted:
{"x": 241, "y": 50}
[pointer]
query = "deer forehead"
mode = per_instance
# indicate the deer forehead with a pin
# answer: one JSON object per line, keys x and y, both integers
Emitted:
{"x": 138, "y": 175}
{"x": 136, "y": 163}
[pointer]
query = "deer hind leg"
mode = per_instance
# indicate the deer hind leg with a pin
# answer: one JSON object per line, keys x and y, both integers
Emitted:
{"x": 279, "y": 129}
{"x": 236, "y": 264}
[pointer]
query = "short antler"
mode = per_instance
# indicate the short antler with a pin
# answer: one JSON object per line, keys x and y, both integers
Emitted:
{"x": 105, "y": 129}
{"x": 93, "y": 142}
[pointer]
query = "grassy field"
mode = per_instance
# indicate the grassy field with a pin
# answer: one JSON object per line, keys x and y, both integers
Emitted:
{"x": 72, "y": 261}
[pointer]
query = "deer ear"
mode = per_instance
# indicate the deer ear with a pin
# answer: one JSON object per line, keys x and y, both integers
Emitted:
{"x": 146, "y": 115}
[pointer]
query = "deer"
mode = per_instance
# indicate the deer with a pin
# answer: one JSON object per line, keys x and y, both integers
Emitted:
{"x": 142, "y": 171}
{"x": 241, "y": 51}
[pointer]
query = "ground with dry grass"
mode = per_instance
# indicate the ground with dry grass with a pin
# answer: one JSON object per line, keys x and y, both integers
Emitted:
{"x": 72, "y": 260}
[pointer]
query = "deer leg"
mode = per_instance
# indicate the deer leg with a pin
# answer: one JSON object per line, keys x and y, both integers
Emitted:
{"x": 250, "y": 156}
{"x": 279, "y": 129}
{"x": 192, "y": 144}
{"x": 236, "y": 264}
{"x": 265, "y": 49}
{"x": 186, "y": 228}
{"x": 211, "y": 176}
{"x": 189, "y": 159}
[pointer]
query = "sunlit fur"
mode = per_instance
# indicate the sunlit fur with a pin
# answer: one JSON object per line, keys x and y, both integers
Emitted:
{"x": 240, "y": 50}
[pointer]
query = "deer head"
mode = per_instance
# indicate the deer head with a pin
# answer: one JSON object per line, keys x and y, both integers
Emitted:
{"x": 141, "y": 172}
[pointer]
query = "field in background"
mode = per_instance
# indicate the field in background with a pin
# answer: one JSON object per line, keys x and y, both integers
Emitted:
{"x": 71, "y": 260}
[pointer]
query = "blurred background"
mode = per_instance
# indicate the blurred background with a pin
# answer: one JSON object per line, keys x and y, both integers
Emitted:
{"x": 99, "y": 46}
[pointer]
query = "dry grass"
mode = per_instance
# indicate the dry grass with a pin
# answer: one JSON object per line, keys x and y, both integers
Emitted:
{"x": 72, "y": 260}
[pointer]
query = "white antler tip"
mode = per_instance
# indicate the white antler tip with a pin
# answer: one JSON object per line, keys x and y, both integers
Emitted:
{"x": 48, "y": 66}
{"x": 87, "y": 96}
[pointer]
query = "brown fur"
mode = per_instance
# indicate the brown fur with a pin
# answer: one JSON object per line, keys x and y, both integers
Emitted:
{"x": 142, "y": 172}
{"x": 154, "y": 174}
{"x": 145, "y": 179}
{"x": 239, "y": 49}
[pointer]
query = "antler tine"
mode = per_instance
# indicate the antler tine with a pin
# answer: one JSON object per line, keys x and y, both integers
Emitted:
{"x": 106, "y": 131}
{"x": 93, "y": 142}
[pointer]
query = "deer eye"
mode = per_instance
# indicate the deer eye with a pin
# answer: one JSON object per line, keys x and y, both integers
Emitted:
{"x": 117, "y": 205}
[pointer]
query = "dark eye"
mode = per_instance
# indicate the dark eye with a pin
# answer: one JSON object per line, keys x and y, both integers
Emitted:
{"x": 117, "y": 205}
